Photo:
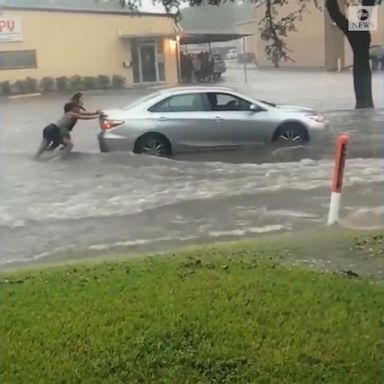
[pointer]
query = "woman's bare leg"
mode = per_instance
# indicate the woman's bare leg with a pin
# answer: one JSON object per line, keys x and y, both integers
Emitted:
{"x": 43, "y": 146}
{"x": 53, "y": 146}
{"x": 68, "y": 146}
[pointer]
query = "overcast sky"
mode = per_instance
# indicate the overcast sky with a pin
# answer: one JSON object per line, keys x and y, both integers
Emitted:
{"x": 147, "y": 5}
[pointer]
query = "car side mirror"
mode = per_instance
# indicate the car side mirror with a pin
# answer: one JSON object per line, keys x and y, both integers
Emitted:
{"x": 253, "y": 108}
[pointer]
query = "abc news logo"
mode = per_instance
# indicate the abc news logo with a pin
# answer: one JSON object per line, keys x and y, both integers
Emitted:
{"x": 362, "y": 18}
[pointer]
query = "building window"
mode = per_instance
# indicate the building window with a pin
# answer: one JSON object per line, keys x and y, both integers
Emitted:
{"x": 18, "y": 59}
{"x": 160, "y": 59}
{"x": 161, "y": 68}
{"x": 160, "y": 47}
{"x": 148, "y": 62}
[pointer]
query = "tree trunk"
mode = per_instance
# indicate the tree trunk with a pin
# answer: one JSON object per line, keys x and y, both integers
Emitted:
{"x": 360, "y": 42}
{"x": 362, "y": 75}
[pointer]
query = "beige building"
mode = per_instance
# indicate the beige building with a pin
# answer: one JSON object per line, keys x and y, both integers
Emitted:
{"x": 317, "y": 43}
{"x": 49, "y": 42}
{"x": 250, "y": 42}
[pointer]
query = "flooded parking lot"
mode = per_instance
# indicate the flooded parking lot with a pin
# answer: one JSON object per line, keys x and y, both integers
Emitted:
{"x": 94, "y": 202}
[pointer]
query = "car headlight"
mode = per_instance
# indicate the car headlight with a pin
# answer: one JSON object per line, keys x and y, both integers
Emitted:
{"x": 316, "y": 117}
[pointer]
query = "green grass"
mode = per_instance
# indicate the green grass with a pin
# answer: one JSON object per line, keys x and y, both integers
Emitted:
{"x": 216, "y": 314}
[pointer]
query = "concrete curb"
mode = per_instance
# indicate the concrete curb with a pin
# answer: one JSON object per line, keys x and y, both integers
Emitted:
{"x": 366, "y": 221}
{"x": 153, "y": 87}
{"x": 25, "y": 95}
{"x": 90, "y": 91}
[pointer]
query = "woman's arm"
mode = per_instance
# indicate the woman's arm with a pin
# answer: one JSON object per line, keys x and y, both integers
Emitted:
{"x": 86, "y": 113}
{"x": 85, "y": 117}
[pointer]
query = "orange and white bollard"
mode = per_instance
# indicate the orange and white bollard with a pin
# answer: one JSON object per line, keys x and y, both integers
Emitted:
{"x": 337, "y": 182}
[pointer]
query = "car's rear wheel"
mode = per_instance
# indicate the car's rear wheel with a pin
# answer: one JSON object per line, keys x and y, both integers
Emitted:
{"x": 290, "y": 134}
{"x": 153, "y": 144}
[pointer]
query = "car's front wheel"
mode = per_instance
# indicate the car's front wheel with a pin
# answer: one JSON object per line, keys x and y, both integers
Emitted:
{"x": 153, "y": 144}
{"x": 290, "y": 134}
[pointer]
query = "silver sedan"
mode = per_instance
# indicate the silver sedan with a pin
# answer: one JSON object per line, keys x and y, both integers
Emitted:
{"x": 205, "y": 118}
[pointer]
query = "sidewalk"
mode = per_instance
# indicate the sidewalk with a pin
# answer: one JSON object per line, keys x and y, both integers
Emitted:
{"x": 365, "y": 219}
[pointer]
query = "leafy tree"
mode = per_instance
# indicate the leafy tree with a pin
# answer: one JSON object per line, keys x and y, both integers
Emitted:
{"x": 360, "y": 42}
{"x": 274, "y": 30}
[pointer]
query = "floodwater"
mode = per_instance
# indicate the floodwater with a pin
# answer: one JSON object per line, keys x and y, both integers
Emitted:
{"x": 95, "y": 202}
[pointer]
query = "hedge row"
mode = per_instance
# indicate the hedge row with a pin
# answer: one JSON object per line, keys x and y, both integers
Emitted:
{"x": 50, "y": 84}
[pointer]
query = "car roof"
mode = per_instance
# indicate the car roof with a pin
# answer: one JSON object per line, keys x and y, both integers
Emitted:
{"x": 195, "y": 89}
{"x": 164, "y": 93}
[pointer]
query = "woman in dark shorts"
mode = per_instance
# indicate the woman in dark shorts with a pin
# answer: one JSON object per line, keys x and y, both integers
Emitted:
{"x": 77, "y": 100}
{"x": 59, "y": 133}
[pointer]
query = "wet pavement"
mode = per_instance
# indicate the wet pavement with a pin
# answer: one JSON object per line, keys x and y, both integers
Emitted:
{"x": 94, "y": 202}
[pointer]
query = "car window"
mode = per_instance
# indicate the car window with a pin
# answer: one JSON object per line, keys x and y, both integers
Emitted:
{"x": 227, "y": 102}
{"x": 191, "y": 102}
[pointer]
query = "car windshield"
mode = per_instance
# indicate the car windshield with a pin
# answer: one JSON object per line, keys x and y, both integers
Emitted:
{"x": 268, "y": 103}
{"x": 251, "y": 97}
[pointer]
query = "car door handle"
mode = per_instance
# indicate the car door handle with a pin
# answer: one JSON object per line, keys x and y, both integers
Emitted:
{"x": 218, "y": 118}
{"x": 162, "y": 118}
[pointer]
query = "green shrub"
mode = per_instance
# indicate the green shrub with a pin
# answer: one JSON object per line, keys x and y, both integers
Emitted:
{"x": 90, "y": 82}
{"x": 118, "y": 81}
{"x": 62, "y": 83}
{"x": 103, "y": 81}
{"x": 28, "y": 85}
{"x": 31, "y": 85}
{"x": 47, "y": 84}
{"x": 5, "y": 87}
{"x": 21, "y": 86}
{"x": 76, "y": 83}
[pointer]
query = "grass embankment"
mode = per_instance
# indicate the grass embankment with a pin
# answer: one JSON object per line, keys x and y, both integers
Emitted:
{"x": 222, "y": 314}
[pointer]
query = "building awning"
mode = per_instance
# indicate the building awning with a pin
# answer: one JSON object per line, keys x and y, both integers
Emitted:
{"x": 187, "y": 38}
{"x": 147, "y": 36}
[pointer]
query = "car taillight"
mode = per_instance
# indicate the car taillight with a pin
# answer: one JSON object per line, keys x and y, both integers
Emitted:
{"x": 109, "y": 123}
